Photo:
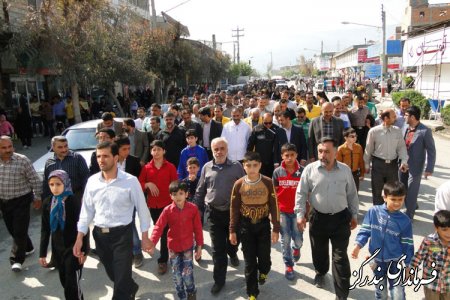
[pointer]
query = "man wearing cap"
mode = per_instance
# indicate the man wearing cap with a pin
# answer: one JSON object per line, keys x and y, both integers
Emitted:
{"x": 109, "y": 122}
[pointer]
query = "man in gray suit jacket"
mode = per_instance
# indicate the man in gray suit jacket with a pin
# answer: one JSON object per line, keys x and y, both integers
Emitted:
{"x": 138, "y": 141}
{"x": 325, "y": 125}
{"x": 420, "y": 145}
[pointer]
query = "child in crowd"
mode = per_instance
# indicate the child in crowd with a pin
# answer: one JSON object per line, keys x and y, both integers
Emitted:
{"x": 351, "y": 154}
{"x": 435, "y": 248}
{"x": 183, "y": 220}
{"x": 253, "y": 199}
{"x": 193, "y": 166}
{"x": 285, "y": 180}
{"x": 5, "y": 127}
{"x": 191, "y": 150}
{"x": 59, "y": 220}
{"x": 390, "y": 231}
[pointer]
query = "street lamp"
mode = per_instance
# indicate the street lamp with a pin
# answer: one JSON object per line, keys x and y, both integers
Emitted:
{"x": 383, "y": 52}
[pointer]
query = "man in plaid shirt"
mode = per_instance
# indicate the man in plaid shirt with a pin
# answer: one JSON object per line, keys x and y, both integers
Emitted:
{"x": 19, "y": 186}
{"x": 434, "y": 252}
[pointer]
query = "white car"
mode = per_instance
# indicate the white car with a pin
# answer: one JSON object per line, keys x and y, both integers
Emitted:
{"x": 81, "y": 139}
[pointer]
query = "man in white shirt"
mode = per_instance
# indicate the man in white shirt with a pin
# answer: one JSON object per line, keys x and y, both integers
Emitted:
{"x": 237, "y": 134}
{"x": 109, "y": 200}
{"x": 140, "y": 118}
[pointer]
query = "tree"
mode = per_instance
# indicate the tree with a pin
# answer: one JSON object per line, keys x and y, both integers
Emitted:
{"x": 240, "y": 69}
{"x": 306, "y": 67}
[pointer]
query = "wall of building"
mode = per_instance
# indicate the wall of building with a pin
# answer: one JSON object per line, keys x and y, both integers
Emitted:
{"x": 428, "y": 81}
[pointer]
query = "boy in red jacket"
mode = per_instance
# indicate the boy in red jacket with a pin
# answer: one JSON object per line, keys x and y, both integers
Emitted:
{"x": 183, "y": 220}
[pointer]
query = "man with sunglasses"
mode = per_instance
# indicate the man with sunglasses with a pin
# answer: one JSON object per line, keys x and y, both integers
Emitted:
{"x": 262, "y": 140}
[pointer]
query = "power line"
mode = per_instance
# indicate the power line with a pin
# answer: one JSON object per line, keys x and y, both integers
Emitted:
{"x": 237, "y": 36}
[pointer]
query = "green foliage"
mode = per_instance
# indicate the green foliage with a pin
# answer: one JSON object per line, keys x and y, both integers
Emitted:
{"x": 240, "y": 69}
{"x": 408, "y": 80}
{"x": 417, "y": 99}
{"x": 445, "y": 114}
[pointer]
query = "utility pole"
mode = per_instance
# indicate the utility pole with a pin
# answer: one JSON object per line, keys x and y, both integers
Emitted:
{"x": 153, "y": 14}
{"x": 234, "y": 52}
{"x": 383, "y": 51}
{"x": 237, "y": 36}
{"x": 214, "y": 44}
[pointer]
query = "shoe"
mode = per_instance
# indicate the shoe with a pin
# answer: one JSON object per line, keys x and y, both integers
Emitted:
{"x": 234, "y": 261}
{"x": 341, "y": 298}
{"x": 16, "y": 267}
{"x": 29, "y": 252}
{"x": 289, "y": 273}
{"x": 138, "y": 260}
{"x": 251, "y": 297}
{"x": 216, "y": 288}
{"x": 262, "y": 278}
{"x": 162, "y": 268}
{"x": 192, "y": 296}
{"x": 319, "y": 281}
{"x": 296, "y": 254}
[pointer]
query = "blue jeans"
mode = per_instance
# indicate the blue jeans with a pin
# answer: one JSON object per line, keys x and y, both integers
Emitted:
{"x": 182, "y": 272}
{"x": 381, "y": 290}
{"x": 136, "y": 240}
{"x": 289, "y": 231}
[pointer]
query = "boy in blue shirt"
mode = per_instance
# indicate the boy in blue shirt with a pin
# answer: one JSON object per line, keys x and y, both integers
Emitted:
{"x": 191, "y": 150}
{"x": 389, "y": 230}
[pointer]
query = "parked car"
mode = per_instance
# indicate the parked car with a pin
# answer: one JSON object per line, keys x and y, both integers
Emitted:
{"x": 279, "y": 83}
{"x": 81, "y": 139}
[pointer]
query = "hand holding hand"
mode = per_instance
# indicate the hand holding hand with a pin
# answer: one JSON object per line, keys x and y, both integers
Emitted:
{"x": 275, "y": 237}
{"x": 301, "y": 224}
{"x": 198, "y": 252}
{"x": 37, "y": 204}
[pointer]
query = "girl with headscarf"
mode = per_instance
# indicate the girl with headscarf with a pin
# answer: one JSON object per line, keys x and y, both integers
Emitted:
{"x": 59, "y": 220}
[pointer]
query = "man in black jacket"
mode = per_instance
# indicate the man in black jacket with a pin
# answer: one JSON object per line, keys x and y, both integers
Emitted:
{"x": 289, "y": 133}
{"x": 173, "y": 137}
{"x": 211, "y": 129}
{"x": 262, "y": 140}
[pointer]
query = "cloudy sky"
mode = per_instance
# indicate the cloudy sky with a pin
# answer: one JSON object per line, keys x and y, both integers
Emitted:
{"x": 284, "y": 28}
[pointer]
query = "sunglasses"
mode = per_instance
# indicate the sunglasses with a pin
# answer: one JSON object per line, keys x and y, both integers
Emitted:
{"x": 267, "y": 123}
{"x": 352, "y": 136}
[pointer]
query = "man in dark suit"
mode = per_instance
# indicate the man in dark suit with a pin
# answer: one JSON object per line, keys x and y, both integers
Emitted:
{"x": 173, "y": 137}
{"x": 109, "y": 122}
{"x": 420, "y": 145}
{"x": 289, "y": 133}
{"x": 103, "y": 135}
{"x": 138, "y": 140}
{"x": 130, "y": 164}
{"x": 211, "y": 129}
{"x": 325, "y": 125}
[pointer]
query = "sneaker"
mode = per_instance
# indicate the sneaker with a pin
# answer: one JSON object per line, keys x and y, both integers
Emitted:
{"x": 319, "y": 281}
{"x": 162, "y": 268}
{"x": 262, "y": 278}
{"x": 16, "y": 267}
{"x": 252, "y": 297}
{"x": 192, "y": 296}
{"x": 234, "y": 261}
{"x": 29, "y": 252}
{"x": 296, "y": 254}
{"x": 289, "y": 274}
{"x": 138, "y": 260}
{"x": 216, "y": 288}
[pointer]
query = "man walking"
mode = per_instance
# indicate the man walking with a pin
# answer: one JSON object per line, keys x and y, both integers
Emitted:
{"x": 385, "y": 147}
{"x": 236, "y": 133}
{"x": 19, "y": 186}
{"x": 329, "y": 187}
{"x": 214, "y": 189}
{"x": 420, "y": 145}
{"x": 109, "y": 200}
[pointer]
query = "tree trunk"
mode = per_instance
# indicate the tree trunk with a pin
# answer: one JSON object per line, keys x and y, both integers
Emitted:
{"x": 116, "y": 102}
{"x": 75, "y": 101}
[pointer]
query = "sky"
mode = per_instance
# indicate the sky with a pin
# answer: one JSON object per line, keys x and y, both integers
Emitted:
{"x": 281, "y": 30}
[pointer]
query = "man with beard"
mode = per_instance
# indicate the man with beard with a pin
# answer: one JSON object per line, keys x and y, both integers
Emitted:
{"x": 262, "y": 140}
{"x": 138, "y": 141}
{"x": 173, "y": 137}
{"x": 329, "y": 187}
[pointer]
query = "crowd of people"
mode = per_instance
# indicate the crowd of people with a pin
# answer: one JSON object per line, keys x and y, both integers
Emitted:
{"x": 257, "y": 168}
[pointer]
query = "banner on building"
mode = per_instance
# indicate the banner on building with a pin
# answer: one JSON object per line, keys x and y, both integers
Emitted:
{"x": 427, "y": 49}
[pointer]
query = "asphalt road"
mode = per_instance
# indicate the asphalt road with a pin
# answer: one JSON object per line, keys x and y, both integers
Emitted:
{"x": 35, "y": 282}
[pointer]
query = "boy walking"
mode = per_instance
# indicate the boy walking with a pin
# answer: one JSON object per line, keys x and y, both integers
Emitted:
{"x": 351, "y": 154}
{"x": 191, "y": 150}
{"x": 59, "y": 220}
{"x": 183, "y": 220}
{"x": 252, "y": 200}
{"x": 389, "y": 230}
{"x": 285, "y": 180}
{"x": 435, "y": 249}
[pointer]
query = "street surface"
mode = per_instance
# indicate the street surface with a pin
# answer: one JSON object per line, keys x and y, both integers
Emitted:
{"x": 35, "y": 282}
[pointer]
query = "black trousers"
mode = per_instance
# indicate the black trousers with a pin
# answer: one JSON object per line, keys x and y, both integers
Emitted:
{"x": 335, "y": 228}
{"x": 382, "y": 173}
{"x": 219, "y": 232}
{"x": 361, "y": 136}
{"x": 16, "y": 214}
{"x": 163, "y": 251}
{"x": 69, "y": 269}
{"x": 116, "y": 254}
{"x": 267, "y": 169}
{"x": 256, "y": 240}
